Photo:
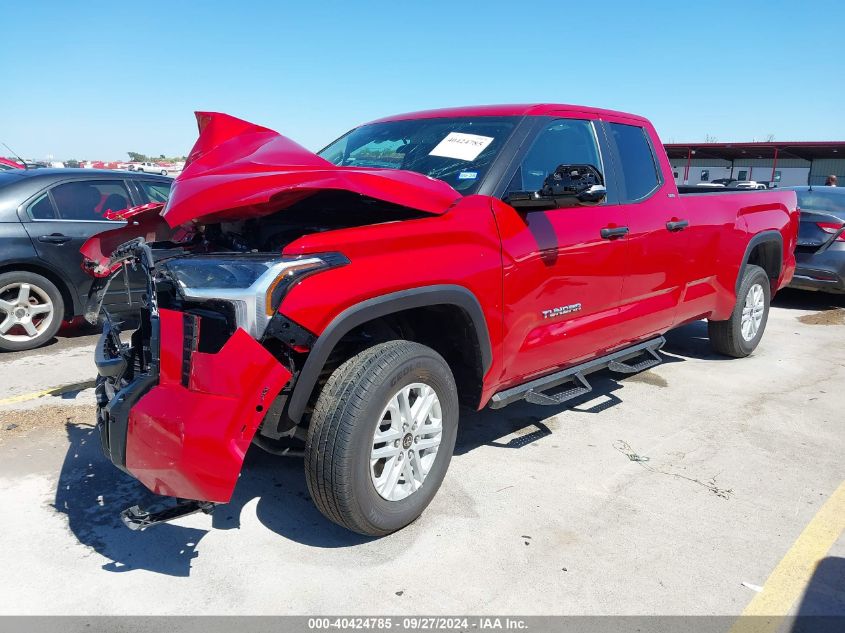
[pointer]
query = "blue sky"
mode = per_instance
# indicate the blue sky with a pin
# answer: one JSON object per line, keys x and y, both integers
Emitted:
{"x": 96, "y": 79}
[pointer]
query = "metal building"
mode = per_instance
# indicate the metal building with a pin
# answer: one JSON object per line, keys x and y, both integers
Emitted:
{"x": 777, "y": 164}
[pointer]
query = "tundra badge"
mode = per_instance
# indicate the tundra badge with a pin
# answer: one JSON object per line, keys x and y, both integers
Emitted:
{"x": 556, "y": 312}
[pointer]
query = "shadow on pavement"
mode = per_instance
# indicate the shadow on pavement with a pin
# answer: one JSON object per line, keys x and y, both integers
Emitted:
{"x": 792, "y": 299}
{"x": 822, "y": 608}
{"x": 92, "y": 492}
{"x": 825, "y": 593}
{"x": 690, "y": 341}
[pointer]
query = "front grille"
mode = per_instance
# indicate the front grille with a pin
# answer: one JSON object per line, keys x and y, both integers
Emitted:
{"x": 190, "y": 343}
{"x": 217, "y": 324}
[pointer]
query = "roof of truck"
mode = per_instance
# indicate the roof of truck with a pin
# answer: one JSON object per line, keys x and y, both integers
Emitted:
{"x": 523, "y": 109}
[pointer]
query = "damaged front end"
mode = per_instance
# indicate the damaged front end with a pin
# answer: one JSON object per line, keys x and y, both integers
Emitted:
{"x": 212, "y": 358}
{"x": 180, "y": 401}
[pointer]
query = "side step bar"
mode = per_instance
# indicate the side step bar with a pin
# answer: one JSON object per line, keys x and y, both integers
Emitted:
{"x": 616, "y": 361}
{"x": 136, "y": 518}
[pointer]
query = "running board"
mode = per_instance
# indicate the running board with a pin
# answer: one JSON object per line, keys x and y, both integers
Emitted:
{"x": 621, "y": 367}
{"x": 538, "y": 397}
{"x": 532, "y": 391}
{"x": 136, "y": 518}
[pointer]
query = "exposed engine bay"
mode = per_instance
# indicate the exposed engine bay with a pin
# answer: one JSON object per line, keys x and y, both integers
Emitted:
{"x": 325, "y": 211}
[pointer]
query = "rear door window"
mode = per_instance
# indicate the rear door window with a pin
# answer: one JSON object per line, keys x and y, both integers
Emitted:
{"x": 42, "y": 208}
{"x": 640, "y": 176}
{"x": 89, "y": 199}
{"x": 154, "y": 190}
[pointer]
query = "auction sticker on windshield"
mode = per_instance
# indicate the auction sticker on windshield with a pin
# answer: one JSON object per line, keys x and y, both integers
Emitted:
{"x": 461, "y": 146}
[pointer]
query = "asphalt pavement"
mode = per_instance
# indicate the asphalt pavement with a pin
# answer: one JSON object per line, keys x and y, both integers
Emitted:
{"x": 681, "y": 490}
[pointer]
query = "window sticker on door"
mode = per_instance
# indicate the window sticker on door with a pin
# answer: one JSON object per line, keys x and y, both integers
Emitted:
{"x": 461, "y": 146}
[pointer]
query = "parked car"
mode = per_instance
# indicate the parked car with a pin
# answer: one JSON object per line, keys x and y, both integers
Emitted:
{"x": 748, "y": 184}
{"x": 151, "y": 168}
{"x": 820, "y": 253}
{"x": 45, "y": 216}
{"x": 323, "y": 305}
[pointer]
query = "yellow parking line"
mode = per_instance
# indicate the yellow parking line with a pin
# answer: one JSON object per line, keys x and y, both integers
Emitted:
{"x": 792, "y": 575}
{"x": 55, "y": 391}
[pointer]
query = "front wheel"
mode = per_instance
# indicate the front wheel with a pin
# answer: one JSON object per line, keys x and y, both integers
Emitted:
{"x": 163, "y": 172}
{"x": 381, "y": 437}
{"x": 740, "y": 334}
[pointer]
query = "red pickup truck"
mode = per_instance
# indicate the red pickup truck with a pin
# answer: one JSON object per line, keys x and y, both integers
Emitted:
{"x": 343, "y": 305}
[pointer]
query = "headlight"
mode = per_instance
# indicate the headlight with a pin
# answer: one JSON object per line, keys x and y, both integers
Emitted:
{"x": 253, "y": 283}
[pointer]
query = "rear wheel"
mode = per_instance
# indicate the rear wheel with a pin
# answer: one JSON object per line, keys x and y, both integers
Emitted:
{"x": 31, "y": 310}
{"x": 740, "y": 335}
{"x": 381, "y": 437}
{"x": 163, "y": 172}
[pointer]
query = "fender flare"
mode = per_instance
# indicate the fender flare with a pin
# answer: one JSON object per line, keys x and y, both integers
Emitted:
{"x": 377, "y": 307}
{"x": 763, "y": 237}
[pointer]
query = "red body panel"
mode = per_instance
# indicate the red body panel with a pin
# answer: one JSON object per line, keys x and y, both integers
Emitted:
{"x": 142, "y": 221}
{"x": 240, "y": 170}
{"x": 190, "y": 442}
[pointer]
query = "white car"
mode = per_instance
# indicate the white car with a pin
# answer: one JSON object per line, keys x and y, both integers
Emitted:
{"x": 150, "y": 168}
{"x": 749, "y": 184}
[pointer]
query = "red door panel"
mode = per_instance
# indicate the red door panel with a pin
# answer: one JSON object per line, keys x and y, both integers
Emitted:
{"x": 657, "y": 250}
{"x": 557, "y": 259}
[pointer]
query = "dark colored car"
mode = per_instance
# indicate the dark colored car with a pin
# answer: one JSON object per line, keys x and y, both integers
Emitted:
{"x": 45, "y": 216}
{"x": 820, "y": 254}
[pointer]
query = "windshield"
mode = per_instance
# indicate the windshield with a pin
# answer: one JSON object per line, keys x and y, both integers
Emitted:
{"x": 823, "y": 201}
{"x": 458, "y": 151}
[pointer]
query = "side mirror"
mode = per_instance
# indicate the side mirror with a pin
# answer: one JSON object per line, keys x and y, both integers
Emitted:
{"x": 594, "y": 195}
{"x": 567, "y": 186}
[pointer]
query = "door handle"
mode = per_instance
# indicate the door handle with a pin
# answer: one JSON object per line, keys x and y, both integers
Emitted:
{"x": 54, "y": 238}
{"x": 609, "y": 233}
{"x": 677, "y": 225}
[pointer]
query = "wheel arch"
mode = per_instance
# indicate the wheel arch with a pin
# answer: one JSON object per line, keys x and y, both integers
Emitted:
{"x": 451, "y": 301}
{"x": 765, "y": 250}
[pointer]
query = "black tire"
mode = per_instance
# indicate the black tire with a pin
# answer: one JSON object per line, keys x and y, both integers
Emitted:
{"x": 163, "y": 172}
{"x": 726, "y": 336}
{"x": 37, "y": 283}
{"x": 340, "y": 436}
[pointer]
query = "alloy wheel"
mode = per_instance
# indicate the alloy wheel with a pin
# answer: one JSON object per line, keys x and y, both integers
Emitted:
{"x": 752, "y": 312}
{"x": 26, "y": 311}
{"x": 405, "y": 441}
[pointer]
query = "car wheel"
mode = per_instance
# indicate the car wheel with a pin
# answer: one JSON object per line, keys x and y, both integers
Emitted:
{"x": 163, "y": 172}
{"x": 740, "y": 335}
{"x": 381, "y": 437}
{"x": 31, "y": 310}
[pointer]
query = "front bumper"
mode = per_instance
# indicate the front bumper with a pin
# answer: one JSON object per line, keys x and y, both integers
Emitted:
{"x": 182, "y": 424}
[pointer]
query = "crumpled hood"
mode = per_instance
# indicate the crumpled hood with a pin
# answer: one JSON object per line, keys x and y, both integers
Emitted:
{"x": 238, "y": 170}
